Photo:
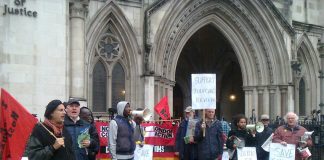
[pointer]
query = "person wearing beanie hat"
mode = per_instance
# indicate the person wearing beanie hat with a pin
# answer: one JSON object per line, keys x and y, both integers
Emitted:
{"x": 49, "y": 140}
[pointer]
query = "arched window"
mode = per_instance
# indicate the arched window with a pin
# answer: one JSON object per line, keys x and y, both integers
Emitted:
{"x": 99, "y": 89}
{"x": 302, "y": 101}
{"x": 118, "y": 85}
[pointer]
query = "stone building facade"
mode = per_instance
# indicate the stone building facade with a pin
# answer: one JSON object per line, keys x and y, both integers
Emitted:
{"x": 268, "y": 53}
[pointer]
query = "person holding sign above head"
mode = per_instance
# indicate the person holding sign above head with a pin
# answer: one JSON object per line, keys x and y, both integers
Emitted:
{"x": 49, "y": 139}
{"x": 240, "y": 136}
{"x": 210, "y": 145}
{"x": 185, "y": 148}
{"x": 292, "y": 133}
{"x": 121, "y": 133}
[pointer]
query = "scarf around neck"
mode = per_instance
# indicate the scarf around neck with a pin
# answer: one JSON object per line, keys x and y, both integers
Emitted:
{"x": 57, "y": 128}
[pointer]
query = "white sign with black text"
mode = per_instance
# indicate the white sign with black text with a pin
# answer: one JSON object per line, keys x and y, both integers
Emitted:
{"x": 203, "y": 91}
{"x": 246, "y": 153}
{"x": 143, "y": 153}
{"x": 281, "y": 152}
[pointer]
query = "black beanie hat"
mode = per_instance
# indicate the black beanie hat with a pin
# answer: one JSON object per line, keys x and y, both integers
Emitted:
{"x": 52, "y": 105}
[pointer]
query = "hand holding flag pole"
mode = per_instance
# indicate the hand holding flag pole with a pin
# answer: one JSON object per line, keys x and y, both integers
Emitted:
{"x": 60, "y": 141}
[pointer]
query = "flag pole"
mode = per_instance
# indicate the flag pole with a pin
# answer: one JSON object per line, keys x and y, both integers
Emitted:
{"x": 204, "y": 121}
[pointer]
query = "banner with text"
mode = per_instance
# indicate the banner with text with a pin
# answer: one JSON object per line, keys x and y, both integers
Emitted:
{"x": 16, "y": 124}
{"x": 103, "y": 130}
{"x": 203, "y": 91}
{"x": 161, "y": 136}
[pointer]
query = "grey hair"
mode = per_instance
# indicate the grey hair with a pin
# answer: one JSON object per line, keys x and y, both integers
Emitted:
{"x": 291, "y": 113}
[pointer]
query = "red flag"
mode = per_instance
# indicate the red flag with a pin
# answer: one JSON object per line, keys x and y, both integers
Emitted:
{"x": 162, "y": 108}
{"x": 16, "y": 124}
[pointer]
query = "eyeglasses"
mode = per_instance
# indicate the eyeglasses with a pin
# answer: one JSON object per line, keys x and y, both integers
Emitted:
{"x": 264, "y": 119}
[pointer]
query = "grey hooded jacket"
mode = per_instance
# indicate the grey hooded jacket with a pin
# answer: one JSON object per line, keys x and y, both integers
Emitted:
{"x": 113, "y": 132}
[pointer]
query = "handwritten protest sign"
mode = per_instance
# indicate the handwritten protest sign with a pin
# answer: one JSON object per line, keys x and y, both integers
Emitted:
{"x": 203, "y": 91}
{"x": 246, "y": 153}
{"x": 281, "y": 152}
{"x": 143, "y": 153}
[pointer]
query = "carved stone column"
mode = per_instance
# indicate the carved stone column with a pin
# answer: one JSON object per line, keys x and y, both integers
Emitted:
{"x": 272, "y": 109}
{"x": 169, "y": 93}
{"x": 284, "y": 104}
{"x": 248, "y": 101}
{"x": 260, "y": 101}
{"x": 149, "y": 92}
{"x": 321, "y": 76}
{"x": 78, "y": 11}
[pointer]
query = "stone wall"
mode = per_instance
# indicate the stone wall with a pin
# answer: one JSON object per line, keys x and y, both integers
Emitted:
{"x": 33, "y": 52}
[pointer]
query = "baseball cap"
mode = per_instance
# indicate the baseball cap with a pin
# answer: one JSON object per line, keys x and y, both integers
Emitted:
{"x": 189, "y": 109}
{"x": 264, "y": 116}
{"x": 73, "y": 101}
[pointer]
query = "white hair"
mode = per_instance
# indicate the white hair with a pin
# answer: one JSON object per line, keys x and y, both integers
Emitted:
{"x": 291, "y": 113}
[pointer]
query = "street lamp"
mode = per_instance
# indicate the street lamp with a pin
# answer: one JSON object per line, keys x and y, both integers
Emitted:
{"x": 232, "y": 96}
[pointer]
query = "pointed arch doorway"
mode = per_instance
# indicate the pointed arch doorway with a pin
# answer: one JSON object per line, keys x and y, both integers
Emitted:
{"x": 208, "y": 51}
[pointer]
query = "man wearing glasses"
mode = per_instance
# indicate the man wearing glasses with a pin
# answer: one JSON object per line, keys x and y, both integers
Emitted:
{"x": 262, "y": 137}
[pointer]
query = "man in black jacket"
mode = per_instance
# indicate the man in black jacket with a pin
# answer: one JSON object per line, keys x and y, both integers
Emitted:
{"x": 50, "y": 140}
{"x": 262, "y": 137}
{"x": 86, "y": 114}
{"x": 240, "y": 136}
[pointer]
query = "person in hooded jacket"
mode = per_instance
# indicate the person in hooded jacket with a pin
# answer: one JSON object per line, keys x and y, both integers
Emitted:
{"x": 121, "y": 133}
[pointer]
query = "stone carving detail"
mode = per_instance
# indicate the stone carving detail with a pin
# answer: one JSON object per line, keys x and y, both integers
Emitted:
{"x": 108, "y": 47}
{"x": 189, "y": 17}
{"x": 79, "y": 9}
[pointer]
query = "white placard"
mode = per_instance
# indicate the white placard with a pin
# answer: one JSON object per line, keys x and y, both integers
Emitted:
{"x": 246, "y": 153}
{"x": 266, "y": 144}
{"x": 281, "y": 152}
{"x": 225, "y": 155}
{"x": 143, "y": 153}
{"x": 203, "y": 91}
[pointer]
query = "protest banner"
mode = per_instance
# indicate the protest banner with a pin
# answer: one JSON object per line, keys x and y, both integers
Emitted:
{"x": 103, "y": 130}
{"x": 162, "y": 108}
{"x": 160, "y": 136}
{"x": 281, "y": 152}
{"x": 16, "y": 124}
{"x": 246, "y": 153}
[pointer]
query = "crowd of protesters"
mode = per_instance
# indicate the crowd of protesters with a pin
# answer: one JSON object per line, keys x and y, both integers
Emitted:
{"x": 217, "y": 133}
{"x": 68, "y": 132}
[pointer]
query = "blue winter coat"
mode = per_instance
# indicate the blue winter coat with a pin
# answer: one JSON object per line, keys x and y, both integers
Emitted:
{"x": 75, "y": 129}
{"x": 186, "y": 151}
{"x": 210, "y": 146}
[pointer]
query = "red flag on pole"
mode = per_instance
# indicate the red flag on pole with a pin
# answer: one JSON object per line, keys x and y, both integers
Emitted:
{"x": 16, "y": 124}
{"x": 162, "y": 108}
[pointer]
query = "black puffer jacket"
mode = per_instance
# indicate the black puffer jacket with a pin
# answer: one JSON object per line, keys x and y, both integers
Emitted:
{"x": 40, "y": 145}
